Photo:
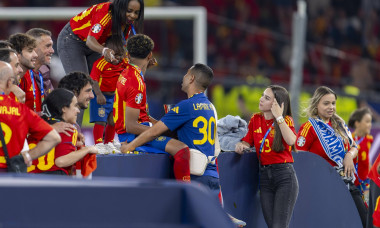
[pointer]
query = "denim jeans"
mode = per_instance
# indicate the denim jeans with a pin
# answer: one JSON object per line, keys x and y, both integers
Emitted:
{"x": 278, "y": 194}
{"x": 74, "y": 53}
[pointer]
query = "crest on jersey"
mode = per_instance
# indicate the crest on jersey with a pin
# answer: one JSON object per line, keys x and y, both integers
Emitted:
{"x": 101, "y": 112}
{"x": 301, "y": 141}
{"x": 139, "y": 98}
{"x": 96, "y": 28}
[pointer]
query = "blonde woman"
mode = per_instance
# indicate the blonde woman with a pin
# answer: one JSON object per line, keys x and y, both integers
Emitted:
{"x": 326, "y": 134}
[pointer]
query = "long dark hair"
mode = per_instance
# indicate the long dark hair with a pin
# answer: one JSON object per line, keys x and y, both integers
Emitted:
{"x": 118, "y": 10}
{"x": 282, "y": 96}
{"x": 358, "y": 115}
{"x": 54, "y": 103}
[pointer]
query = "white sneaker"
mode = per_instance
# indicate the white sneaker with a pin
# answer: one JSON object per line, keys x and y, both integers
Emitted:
{"x": 117, "y": 144}
{"x": 102, "y": 149}
{"x": 112, "y": 148}
{"x": 237, "y": 222}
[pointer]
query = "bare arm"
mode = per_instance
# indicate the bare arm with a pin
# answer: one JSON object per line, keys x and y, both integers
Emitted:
{"x": 146, "y": 136}
{"x": 45, "y": 145}
{"x": 100, "y": 98}
{"x": 73, "y": 157}
{"x": 287, "y": 133}
{"x": 18, "y": 92}
{"x": 109, "y": 54}
{"x": 63, "y": 127}
{"x": 240, "y": 146}
{"x": 131, "y": 121}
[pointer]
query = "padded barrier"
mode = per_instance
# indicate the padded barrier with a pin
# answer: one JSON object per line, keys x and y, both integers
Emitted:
{"x": 323, "y": 199}
{"x": 47, "y": 201}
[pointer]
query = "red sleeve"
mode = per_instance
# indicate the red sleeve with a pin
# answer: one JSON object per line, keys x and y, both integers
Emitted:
{"x": 134, "y": 95}
{"x": 305, "y": 137}
{"x": 248, "y": 138}
{"x": 95, "y": 71}
{"x": 289, "y": 121}
{"x": 100, "y": 20}
{"x": 376, "y": 214}
{"x": 67, "y": 144}
{"x": 38, "y": 128}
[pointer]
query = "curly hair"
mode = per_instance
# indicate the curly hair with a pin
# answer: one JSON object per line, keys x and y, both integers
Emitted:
{"x": 75, "y": 82}
{"x": 21, "y": 41}
{"x": 139, "y": 46}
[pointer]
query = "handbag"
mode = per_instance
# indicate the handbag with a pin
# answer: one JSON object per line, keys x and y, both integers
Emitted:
{"x": 16, "y": 164}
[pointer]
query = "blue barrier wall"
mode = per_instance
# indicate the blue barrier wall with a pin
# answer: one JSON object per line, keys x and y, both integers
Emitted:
{"x": 323, "y": 200}
{"x": 47, "y": 201}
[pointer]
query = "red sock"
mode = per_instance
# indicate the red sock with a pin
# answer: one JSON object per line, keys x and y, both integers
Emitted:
{"x": 98, "y": 133}
{"x": 110, "y": 134}
{"x": 220, "y": 196}
{"x": 182, "y": 165}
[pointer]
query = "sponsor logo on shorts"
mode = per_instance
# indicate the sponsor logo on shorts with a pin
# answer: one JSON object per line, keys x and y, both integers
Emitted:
{"x": 161, "y": 138}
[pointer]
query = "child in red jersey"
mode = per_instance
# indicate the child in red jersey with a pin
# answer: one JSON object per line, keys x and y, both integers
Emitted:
{"x": 105, "y": 75}
{"x": 361, "y": 121}
{"x": 62, "y": 105}
{"x": 272, "y": 133}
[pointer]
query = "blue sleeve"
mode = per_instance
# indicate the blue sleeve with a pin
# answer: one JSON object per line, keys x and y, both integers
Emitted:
{"x": 177, "y": 116}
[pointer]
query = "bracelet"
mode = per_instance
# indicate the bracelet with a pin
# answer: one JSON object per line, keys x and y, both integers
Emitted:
{"x": 27, "y": 155}
{"x": 280, "y": 119}
{"x": 104, "y": 50}
{"x": 352, "y": 154}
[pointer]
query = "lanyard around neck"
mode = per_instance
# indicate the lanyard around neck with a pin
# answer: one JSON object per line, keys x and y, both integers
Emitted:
{"x": 138, "y": 69}
{"x": 34, "y": 87}
{"x": 124, "y": 39}
{"x": 265, "y": 136}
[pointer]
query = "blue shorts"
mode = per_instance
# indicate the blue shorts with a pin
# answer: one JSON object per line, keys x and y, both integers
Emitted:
{"x": 100, "y": 113}
{"x": 156, "y": 146}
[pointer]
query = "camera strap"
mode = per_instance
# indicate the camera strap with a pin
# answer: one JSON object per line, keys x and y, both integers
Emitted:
{"x": 4, "y": 145}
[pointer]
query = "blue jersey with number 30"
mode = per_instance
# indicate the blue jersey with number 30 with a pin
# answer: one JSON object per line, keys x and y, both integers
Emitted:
{"x": 194, "y": 120}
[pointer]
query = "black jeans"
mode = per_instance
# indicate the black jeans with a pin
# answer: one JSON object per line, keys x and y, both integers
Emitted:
{"x": 374, "y": 192}
{"x": 278, "y": 194}
{"x": 74, "y": 53}
{"x": 360, "y": 205}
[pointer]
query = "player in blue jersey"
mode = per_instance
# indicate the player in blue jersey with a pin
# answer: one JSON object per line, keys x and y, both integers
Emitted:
{"x": 195, "y": 122}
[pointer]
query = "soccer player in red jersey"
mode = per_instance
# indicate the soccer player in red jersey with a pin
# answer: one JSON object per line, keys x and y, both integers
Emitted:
{"x": 361, "y": 121}
{"x": 17, "y": 121}
{"x": 45, "y": 51}
{"x": 25, "y": 45}
{"x": 272, "y": 133}
{"x": 327, "y": 135}
{"x": 105, "y": 76}
{"x": 130, "y": 107}
{"x": 10, "y": 56}
{"x": 62, "y": 105}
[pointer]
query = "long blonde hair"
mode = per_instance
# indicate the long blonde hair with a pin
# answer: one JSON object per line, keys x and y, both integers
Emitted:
{"x": 312, "y": 111}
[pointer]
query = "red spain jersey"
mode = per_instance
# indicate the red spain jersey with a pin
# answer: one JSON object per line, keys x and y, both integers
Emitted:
{"x": 95, "y": 21}
{"x": 13, "y": 96}
{"x": 107, "y": 74}
{"x": 257, "y": 128}
{"x": 362, "y": 160}
{"x": 307, "y": 140}
{"x": 17, "y": 121}
{"x": 27, "y": 86}
{"x": 375, "y": 177}
{"x": 47, "y": 162}
{"x": 130, "y": 92}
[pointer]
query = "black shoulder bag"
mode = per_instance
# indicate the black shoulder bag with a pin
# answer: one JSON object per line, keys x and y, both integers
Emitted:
{"x": 15, "y": 164}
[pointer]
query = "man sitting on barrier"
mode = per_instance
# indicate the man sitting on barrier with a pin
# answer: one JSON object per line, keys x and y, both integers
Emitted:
{"x": 130, "y": 107}
{"x": 194, "y": 119}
